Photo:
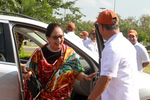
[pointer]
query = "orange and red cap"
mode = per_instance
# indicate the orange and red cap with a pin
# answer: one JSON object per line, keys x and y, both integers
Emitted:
{"x": 132, "y": 32}
{"x": 107, "y": 17}
{"x": 84, "y": 33}
{"x": 70, "y": 26}
{"x": 81, "y": 34}
{"x": 92, "y": 31}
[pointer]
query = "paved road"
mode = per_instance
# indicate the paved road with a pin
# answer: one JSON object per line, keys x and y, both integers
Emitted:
{"x": 26, "y": 48}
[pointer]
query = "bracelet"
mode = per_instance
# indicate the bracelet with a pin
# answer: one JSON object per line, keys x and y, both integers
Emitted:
{"x": 84, "y": 78}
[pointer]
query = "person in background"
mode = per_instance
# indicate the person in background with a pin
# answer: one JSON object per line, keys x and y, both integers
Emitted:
{"x": 70, "y": 31}
{"x": 118, "y": 75}
{"x": 55, "y": 57}
{"x": 84, "y": 35}
{"x": 142, "y": 54}
{"x": 91, "y": 43}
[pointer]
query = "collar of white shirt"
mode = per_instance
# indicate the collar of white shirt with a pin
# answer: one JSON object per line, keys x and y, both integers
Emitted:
{"x": 113, "y": 37}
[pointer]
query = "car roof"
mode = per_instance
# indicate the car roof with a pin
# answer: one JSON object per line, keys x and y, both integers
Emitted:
{"x": 23, "y": 20}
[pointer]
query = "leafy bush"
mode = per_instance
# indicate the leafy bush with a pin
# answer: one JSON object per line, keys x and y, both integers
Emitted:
{"x": 24, "y": 54}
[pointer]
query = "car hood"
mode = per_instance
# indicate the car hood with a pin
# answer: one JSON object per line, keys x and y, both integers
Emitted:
{"x": 143, "y": 80}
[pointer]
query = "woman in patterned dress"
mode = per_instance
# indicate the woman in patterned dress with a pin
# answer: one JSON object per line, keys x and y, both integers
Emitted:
{"x": 55, "y": 56}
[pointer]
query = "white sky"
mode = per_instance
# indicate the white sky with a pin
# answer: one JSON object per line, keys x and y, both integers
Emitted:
{"x": 125, "y": 8}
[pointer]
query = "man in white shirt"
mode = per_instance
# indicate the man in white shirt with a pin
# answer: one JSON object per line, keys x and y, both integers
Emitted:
{"x": 118, "y": 75}
{"x": 91, "y": 43}
{"x": 84, "y": 35}
{"x": 142, "y": 54}
{"x": 70, "y": 31}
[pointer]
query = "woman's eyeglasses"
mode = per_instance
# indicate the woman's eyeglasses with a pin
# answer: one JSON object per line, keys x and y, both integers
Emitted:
{"x": 56, "y": 37}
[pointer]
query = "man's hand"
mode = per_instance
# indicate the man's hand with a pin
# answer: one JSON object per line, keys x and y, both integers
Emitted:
{"x": 82, "y": 77}
{"x": 100, "y": 87}
{"x": 90, "y": 77}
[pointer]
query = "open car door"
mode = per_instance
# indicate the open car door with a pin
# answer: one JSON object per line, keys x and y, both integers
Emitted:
{"x": 100, "y": 42}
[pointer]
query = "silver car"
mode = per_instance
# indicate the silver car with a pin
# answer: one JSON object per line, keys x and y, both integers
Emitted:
{"x": 11, "y": 79}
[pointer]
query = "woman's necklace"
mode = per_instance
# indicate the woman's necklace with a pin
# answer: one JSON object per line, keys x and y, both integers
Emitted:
{"x": 48, "y": 46}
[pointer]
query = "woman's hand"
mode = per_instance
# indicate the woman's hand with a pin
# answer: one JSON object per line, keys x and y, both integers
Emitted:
{"x": 28, "y": 75}
{"x": 23, "y": 67}
{"x": 82, "y": 77}
{"x": 89, "y": 77}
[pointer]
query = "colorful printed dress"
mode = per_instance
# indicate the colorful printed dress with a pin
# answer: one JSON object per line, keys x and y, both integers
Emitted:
{"x": 62, "y": 82}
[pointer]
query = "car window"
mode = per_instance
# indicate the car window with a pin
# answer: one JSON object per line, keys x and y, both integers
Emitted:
{"x": 87, "y": 69}
{"x": 2, "y": 48}
{"x": 28, "y": 39}
{"x": 26, "y": 48}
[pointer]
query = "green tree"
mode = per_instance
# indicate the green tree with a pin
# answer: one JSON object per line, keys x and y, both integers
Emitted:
{"x": 80, "y": 25}
{"x": 124, "y": 28}
{"x": 74, "y": 18}
{"x": 144, "y": 25}
{"x": 142, "y": 37}
{"x": 32, "y": 8}
{"x": 38, "y": 10}
{"x": 43, "y": 10}
{"x": 138, "y": 25}
{"x": 85, "y": 26}
{"x": 59, "y": 4}
{"x": 128, "y": 24}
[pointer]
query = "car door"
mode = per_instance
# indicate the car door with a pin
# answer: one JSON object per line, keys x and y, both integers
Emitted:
{"x": 36, "y": 34}
{"x": 90, "y": 63}
{"x": 10, "y": 79}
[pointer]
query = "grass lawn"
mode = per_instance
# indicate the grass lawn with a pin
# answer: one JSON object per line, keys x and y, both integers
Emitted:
{"x": 147, "y": 69}
{"x": 26, "y": 54}
{"x": 148, "y": 51}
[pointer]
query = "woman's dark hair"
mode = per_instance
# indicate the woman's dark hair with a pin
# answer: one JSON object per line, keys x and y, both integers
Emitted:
{"x": 51, "y": 27}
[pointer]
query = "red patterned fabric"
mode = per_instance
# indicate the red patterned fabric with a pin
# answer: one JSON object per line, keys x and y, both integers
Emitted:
{"x": 61, "y": 84}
